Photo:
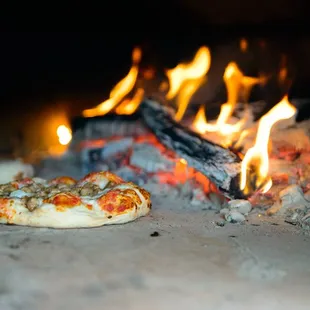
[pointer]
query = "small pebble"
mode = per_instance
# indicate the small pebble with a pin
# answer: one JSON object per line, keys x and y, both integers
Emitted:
{"x": 224, "y": 211}
{"x": 240, "y": 205}
{"x": 234, "y": 216}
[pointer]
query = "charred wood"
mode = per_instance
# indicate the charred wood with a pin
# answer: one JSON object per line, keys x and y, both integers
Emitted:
{"x": 220, "y": 165}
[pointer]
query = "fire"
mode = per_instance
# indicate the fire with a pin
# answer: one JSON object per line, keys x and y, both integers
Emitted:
{"x": 129, "y": 106}
{"x": 235, "y": 82}
{"x": 120, "y": 90}
{"x": 64, "y": 134}
{"x": 255, "y": 164}
{"x": 200, "y": 123}
{"x": 186, "y": 78}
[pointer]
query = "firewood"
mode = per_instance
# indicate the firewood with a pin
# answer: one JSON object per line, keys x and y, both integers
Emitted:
{"x": 219, "y": 164}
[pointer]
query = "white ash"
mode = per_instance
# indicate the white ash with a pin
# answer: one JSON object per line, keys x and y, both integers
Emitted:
{"x": 200, "y": 199}
{"x": 157, "y": 189}
{"x": 241, "y": 205}
{"x": 293, "y": 195}
{"x": 217, "y": 200}
{"x": 304, "y": 222}
{"x": 114, "y": 147}
{"x": 307, "y": 195}
{"x": 149, "y": 158}
{"x": 130, "y": 175}
{"x": 185, "y": 189}
{"x": 105, "y": 129}
{"x": 291, "y": 204}
{"x": 233, "y": 216}
{"x": 286, "y": 133}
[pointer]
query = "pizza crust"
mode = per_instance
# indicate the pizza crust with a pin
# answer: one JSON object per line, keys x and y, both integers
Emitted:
{"x": 114, "y": 204}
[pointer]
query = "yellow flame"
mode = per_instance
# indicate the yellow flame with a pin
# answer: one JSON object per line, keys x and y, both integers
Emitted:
{"x": 196, "y": 69}
{"x": 241, "y": 138}
{"x": 200, "y": 121}
{"x": 130, "y": 106}
{"x": 64, "y": 134}
{"x": 120, "y": 90}
{"x": 186, "y": 78}
{"x": 235, "y": 81}
{"x": 255, "y": 164}
{"x": 227, "y": 131}
{"x": 187, "y": 91}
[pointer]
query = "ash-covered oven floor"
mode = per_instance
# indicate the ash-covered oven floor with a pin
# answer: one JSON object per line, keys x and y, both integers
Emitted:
{"x": 175, "y": 258}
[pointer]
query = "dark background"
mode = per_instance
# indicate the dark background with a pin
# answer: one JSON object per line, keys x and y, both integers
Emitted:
{"x": 90, "y": 48}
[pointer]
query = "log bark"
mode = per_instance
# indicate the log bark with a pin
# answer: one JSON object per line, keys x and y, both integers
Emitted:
{"x": 220, "y": 165}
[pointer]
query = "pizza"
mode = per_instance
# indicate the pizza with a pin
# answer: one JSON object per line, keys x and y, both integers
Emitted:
{"x": 100, "y": 198}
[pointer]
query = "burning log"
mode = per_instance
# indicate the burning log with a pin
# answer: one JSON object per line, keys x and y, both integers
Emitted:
{"x": 220, "y": 165}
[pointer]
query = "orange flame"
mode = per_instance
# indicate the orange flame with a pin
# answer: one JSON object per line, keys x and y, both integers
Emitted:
{"x": 227, "y": 131}
{"x": 186, "y": 78}
{"x": 130, "y": 106}
{"x": 200, "y": 123}
{"x": 243, "y": 45}
{"x": 120, "y": 90}
{"x": 235, "y": 81}
{"x": 255, "y": 164}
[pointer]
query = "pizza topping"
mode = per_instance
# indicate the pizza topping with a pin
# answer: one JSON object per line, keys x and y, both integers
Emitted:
{"x": 64, "y": 200}
{"x": 63, "y": 180}
{"x": 115, "y": 202}
{"x": 102, "y": 179}
{"x": 29, "y": 189}
{"x": 145, "y": 194}
{"x": 5, "y": 211}
{"x": 24, "y": 182}
{"x": 33, "y": 203}
{"x": 89, "y": 189}
{"x": 19, "y": 176}
{"x": 6, "y": 189}
{"x": 75, "y": 191}
{"x": 133, "y": 194}
{"x": 112, "y": 177}
{"x": 39, "y": 181}
{"x": 53, "y": 190}
{"x": 19, "y": 194}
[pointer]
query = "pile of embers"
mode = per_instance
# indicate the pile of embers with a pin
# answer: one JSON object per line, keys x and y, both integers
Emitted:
{"x": 136, "y": 155}
{"x": 145, "y": 161}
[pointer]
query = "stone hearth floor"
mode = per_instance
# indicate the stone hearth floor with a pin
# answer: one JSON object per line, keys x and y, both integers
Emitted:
{"x": 191, "y": 264}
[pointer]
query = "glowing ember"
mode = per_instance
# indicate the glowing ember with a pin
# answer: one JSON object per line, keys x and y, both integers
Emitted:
{"x": 255, "y": 164}
{"x": 120, "y": 90}
{"x": 129, "y": 106}
{"x": 64, "y": 134}
{"x": 243, "y": 45}
{"x": 186, "y": 78}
